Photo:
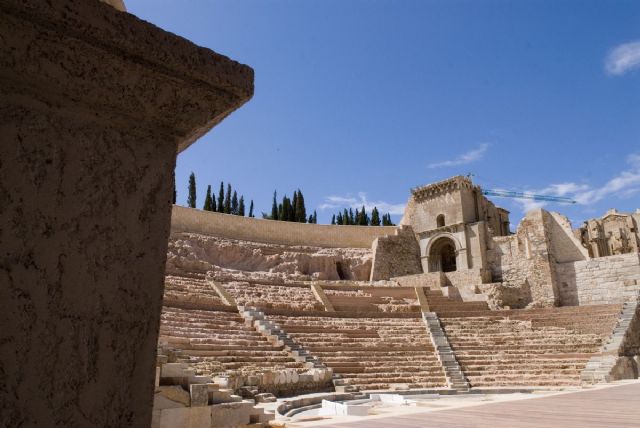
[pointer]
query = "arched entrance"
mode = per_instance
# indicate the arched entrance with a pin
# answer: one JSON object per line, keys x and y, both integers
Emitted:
{"x": 442, "y": 256}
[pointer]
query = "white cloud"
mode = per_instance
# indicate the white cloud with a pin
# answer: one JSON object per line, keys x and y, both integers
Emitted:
{"x": 465, "y": 158}
{"x": 623, "y": 58}
{"x": 340, "y": 202}
{"x": 623, "y": 185}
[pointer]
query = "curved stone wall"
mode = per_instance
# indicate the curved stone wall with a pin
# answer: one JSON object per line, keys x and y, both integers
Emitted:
{"x": 275, "y": 232}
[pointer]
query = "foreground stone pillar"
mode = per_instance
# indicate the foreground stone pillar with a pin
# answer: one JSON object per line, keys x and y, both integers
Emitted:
{"x": 94, "y": 105}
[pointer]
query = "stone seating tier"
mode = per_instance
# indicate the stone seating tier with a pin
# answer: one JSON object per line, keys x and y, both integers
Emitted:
{"x": 372, "y": 299}
{"x": 190, "y": 289}
{"x": 536, "y": 347}
{"x": 218, "y": 342}
{"x": 369, "y": 352}
{"x": 273, "y": 296}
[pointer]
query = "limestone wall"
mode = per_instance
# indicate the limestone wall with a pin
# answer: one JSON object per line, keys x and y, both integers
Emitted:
{"x": 396, "y": 255}
{"x": 526, "y": 257}
{"x": 611, "y": 279}
{"x": 564, "y": 246}
{"x": 275, "y": 232}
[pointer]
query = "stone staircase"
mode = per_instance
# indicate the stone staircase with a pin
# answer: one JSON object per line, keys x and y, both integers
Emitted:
{"x": 452, "y": 370}
{"x": 182, "y": 397}
{"x": 279, "y": 337}
{"x": 601, "y": 368}
{"x": 317, "y": 371}
{"x": 217, "y": 342}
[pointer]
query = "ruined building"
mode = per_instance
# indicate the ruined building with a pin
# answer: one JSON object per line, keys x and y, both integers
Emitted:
{"x": 448, "y": 300}
{"x": 614, "y": 233}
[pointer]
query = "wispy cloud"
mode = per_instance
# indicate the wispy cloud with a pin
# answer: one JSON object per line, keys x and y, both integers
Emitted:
{"x": 340, "y": 202}
{"x": 623, "y": 185}
{"x": 623, "y": 58}
{"x": 463, "y": 159}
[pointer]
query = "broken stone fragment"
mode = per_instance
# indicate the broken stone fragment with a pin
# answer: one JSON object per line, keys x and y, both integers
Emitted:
{"x": 175, "y": 394}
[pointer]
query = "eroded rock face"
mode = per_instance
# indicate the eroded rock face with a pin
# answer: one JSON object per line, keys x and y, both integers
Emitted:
{"x": 193, "y": 252}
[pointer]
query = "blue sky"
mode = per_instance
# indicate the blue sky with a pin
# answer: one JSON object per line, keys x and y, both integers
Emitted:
{"x": 362, "y": 100}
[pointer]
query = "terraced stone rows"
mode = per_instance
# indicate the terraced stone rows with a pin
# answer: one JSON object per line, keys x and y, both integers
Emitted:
{"x": 372, "y": 299}
{"x": 218, "y": 342}
{"x": 268, "y": 296}
{"x": 515, "y": 350}
{"x": 372, "y": 353}
{"x": 190, "y": 289}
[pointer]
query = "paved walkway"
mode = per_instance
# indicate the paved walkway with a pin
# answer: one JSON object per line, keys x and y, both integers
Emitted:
{"x": 617, "y": 406}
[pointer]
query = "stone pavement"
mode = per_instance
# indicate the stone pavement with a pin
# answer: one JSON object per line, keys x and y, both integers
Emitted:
{"x": 617, "y": 406}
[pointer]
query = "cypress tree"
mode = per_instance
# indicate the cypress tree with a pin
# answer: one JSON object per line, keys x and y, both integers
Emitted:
{"x": 280, "y": 213}
{"x": 251, "y": 209}
{"x": 345, "y": 217}
{"x": 274, "y": 207}
{"x": 241, "y": 206}
{"x": 294, "y": 205}
{"x": 352, "y": 219}
{"x": 175, "y": 192}
{"x": 357, "y": 217}
{"x": 287, "y": 209}
{"x": 221, "y": 198}
{"x": 315, "y": 217}
{"x": 227, "y": 200}
{"x": 364, "y": 218}
{"x": 292, "y": 213}
{"x": 234, "y": 204}
{"x": 375, "y": 217}
{"x": 300, "y": 208}
{"x": 339, "y": 218}
{"x": 310, "y": 218}
{"x": 207, "y": 200}
{"x": 191, "y": 199}
{"x": 333, "y": 219}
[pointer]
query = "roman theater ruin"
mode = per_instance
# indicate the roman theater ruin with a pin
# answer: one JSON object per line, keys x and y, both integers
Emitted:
{"x": 450, "y": 301}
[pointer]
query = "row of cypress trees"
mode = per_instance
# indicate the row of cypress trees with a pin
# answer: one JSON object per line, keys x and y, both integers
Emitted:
{"x": 290, "y": 209}
{"x": 361, "y": 218}
{"x": 227, "y": 203}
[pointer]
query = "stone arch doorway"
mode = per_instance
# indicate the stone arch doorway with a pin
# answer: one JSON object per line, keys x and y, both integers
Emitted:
{"x": 442, "y": 256}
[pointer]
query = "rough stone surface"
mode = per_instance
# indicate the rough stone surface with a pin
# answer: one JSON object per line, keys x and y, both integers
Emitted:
{"x": 94, "y": 105}
{"x": 196, "y": 252}
{"x": 396, "y": 255}
{"x": 501, "y": 295}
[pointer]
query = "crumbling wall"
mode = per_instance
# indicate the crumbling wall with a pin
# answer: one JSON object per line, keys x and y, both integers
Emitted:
{"x": 526, "y": 257}
{"x": 202, "y": 253}
{"x": 396, "y": 255}
{"x": 501, "y": 295}
{"x": 564, "y": 246}
{"x": 612, "y": 279}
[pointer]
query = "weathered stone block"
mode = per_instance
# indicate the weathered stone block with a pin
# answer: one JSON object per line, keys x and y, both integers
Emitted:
{"x": 199, "y": 395}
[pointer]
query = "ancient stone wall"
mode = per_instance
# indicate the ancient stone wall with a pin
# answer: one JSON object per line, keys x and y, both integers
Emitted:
{"x": 94, "y": 105}
{"x": 396, "y": 255}
{"x": 563, "y": 245}
{"x": 611, "y": 279}
{"x": 275, "y": 232}
{"x": 505, "y": 295}
{"x": 192, "y": 252}
{"x": 525, "y": 257}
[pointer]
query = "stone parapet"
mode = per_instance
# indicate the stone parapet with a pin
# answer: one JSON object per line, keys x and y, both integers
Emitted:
{"x": 275, "y": 232}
